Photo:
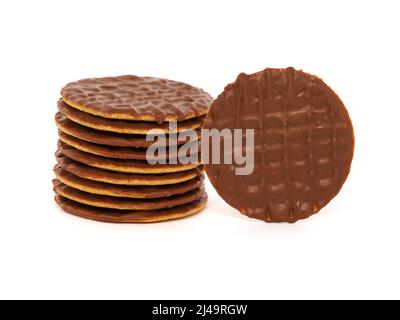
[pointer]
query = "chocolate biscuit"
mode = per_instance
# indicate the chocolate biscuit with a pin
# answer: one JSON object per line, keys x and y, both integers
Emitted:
{"x": 130, "y": 179}
{"x": 120, "y": 152}
{"x": 111, "y": 138}
{"x": 125, "y": 126}
{"x": 303, "y": 149}
{"x": 121, "y": 165}
{"x": 137, "y": 98}
{"x": 125, "y": 203}
{"x": 140, "y": 192}
{"x": 124, "y": 216}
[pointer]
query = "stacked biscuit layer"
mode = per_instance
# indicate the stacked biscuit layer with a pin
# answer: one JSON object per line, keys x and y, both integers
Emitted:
{"x": 105, "y": 170}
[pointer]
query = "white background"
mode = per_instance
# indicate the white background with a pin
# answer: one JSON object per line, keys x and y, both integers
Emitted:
{"x": 349, "y": 250}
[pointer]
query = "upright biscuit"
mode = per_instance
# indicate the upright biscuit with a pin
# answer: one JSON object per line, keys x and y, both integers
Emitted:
{"x": 303, "y": 148}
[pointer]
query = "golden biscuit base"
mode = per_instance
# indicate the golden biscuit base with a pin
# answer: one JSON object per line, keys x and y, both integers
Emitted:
{"x": 130, "y": 179}
{"x": 119, "y": 216}
{"x": 137, "y": 98}
{"x": 139, "y": 192}
{"x": 121, "y": 165}
{"x": 117, "y": 152}
{"x": 125, "y": 203}
{"x": 111, "y": 138}
{"x": 125, "y": 126}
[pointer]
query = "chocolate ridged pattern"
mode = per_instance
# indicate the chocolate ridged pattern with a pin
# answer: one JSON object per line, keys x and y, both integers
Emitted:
{"x": 303, "y": 148}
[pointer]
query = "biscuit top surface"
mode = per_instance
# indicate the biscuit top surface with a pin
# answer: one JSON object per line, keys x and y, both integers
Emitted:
{"x": 137, "y": 98}
{"x": 303, "y": 144}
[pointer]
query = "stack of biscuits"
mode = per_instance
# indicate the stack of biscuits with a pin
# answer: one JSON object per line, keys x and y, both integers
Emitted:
{"x": 107, "y": 126}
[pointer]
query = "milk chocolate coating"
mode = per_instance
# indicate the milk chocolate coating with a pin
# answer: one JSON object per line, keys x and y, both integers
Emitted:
{"x": 137, "y": 98}
{"x": 304, "y": 144}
